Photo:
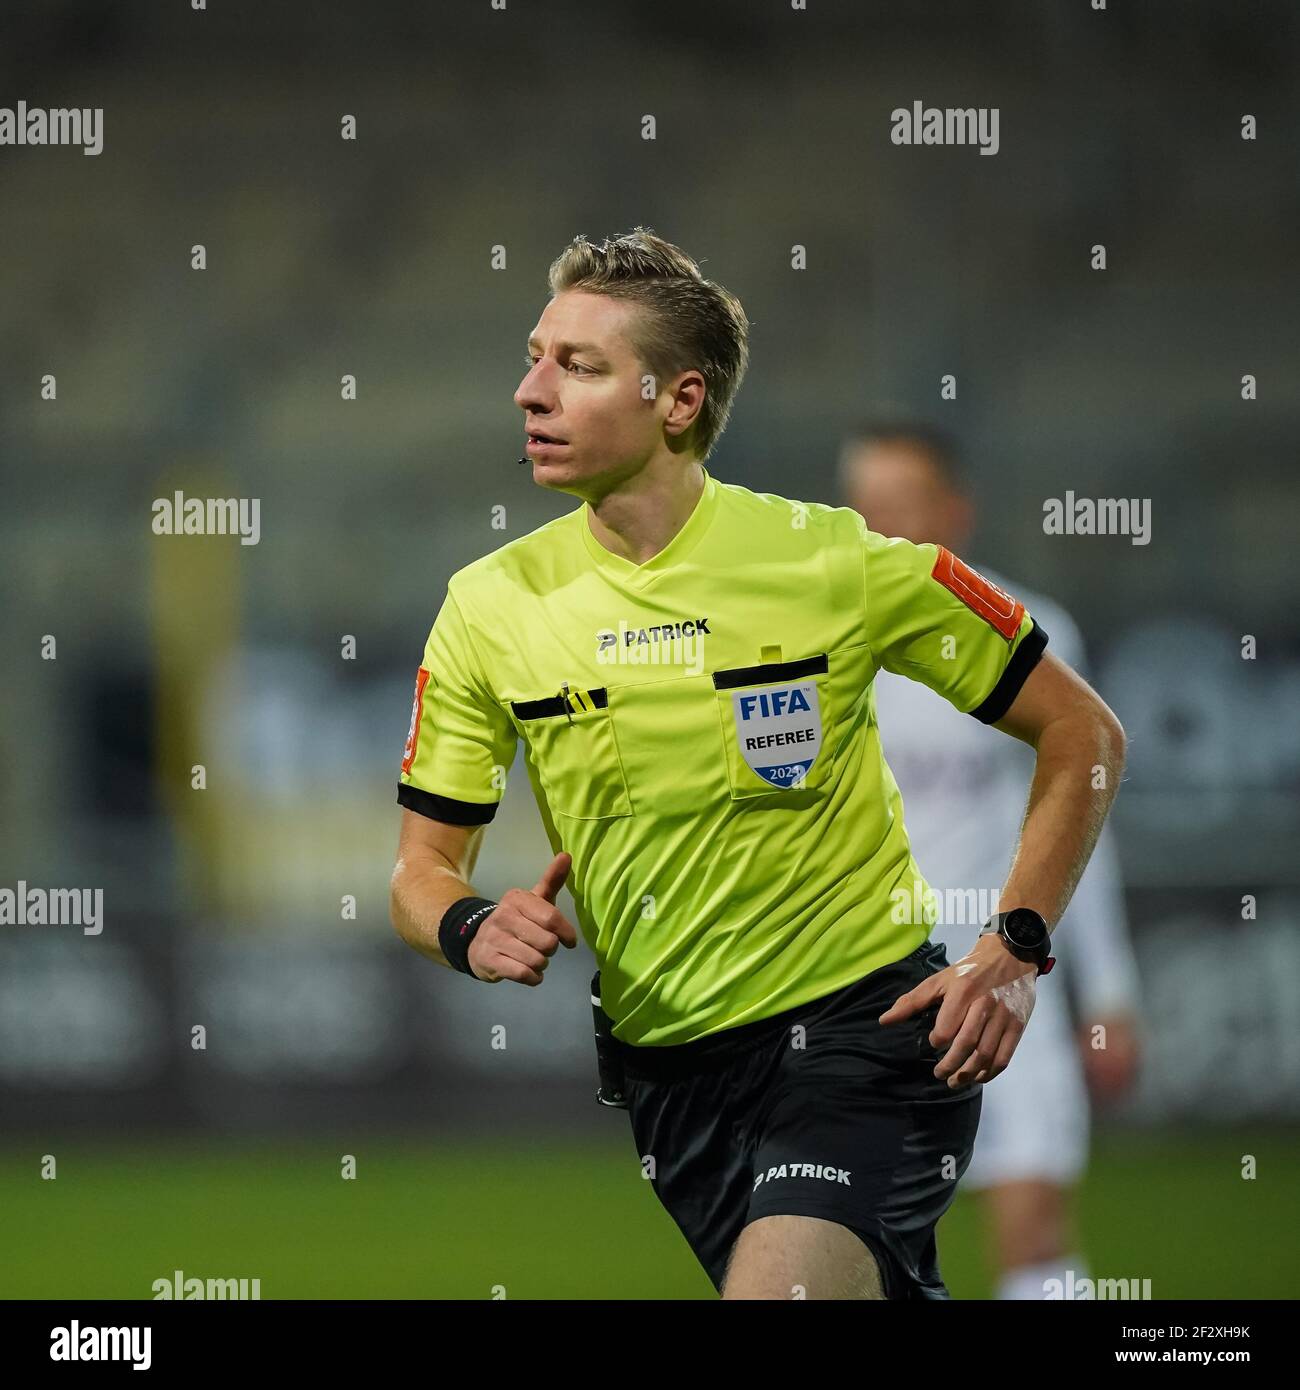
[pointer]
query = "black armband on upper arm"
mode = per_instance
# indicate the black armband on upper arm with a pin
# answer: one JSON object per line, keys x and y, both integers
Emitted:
{"x": 445, "y": 808}
{"x": 1023, "y": 660}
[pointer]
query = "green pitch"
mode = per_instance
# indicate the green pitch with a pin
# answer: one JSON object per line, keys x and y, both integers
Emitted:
{"x": 546, "y": 1220}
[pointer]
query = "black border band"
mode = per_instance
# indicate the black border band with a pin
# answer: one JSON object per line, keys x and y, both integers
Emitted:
{"x": 774, "y": 671}
{"x": 554, "y": 706}
{"x": 1023, "y": 660}
{"x": 460, "y": 924}
{"x": 445, "y": 808}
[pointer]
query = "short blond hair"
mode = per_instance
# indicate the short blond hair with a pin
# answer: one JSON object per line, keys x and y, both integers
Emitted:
{"x": 689, "y": 322}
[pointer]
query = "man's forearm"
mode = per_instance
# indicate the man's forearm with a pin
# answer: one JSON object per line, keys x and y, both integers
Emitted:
{"x": 1080, "y": 758}
{"x": 422, "y": 890}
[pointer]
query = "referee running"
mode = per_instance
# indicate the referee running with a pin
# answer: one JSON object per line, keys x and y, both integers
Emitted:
{"x": 689, "y": 665}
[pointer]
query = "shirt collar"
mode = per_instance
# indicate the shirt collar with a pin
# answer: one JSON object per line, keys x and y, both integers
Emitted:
{"x": 672, "y": 554}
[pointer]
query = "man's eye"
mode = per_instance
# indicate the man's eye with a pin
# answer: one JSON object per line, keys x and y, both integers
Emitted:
{"x": 530, "y": 361}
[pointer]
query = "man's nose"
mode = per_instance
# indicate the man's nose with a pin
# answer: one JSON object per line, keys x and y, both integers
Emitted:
{"x": 535, "y": 392}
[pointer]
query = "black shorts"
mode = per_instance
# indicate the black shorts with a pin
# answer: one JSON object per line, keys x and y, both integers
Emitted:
{"x": 817, "y": 1111}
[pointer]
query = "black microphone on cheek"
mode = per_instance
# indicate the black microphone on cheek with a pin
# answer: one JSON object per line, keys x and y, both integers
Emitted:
{"x": 524, "y": 459}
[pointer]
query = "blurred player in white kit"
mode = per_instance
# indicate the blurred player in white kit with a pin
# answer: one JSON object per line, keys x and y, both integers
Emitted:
{"x": 963, "y": 800}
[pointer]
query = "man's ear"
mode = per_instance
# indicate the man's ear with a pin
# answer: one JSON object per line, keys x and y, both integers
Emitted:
{"x": 689, "y": 391}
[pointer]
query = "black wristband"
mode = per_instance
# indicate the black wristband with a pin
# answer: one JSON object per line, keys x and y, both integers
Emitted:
{"x": 459, "y": 924}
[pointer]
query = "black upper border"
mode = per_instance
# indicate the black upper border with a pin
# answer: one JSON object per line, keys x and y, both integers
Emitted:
{"x": 1023, "y": 660}
{"x": 774, "y": 671}
{"x": 555, "y": 705}
{"x": 445, "y": 808}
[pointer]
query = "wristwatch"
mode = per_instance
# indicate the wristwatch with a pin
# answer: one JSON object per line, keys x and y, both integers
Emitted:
{"x": 1024, "y": 933}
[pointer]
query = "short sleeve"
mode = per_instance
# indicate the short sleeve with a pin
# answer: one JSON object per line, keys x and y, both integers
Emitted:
{"x": 934, "y": 619}
{"x": 461, "y": 741}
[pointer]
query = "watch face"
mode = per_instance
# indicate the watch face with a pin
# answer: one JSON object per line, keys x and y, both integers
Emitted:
{"x": 1025, "y": 927}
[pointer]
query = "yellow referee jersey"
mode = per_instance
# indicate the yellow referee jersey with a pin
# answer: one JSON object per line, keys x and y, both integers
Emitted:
{"x": 700, "y": 734}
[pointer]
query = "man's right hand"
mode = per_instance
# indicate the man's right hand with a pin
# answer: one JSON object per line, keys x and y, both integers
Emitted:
{"x": 518, "y": 939}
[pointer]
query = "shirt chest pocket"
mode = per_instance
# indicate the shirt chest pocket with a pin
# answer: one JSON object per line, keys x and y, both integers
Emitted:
{"x": 778, "y": 723}
{"x": 572, "y": 742}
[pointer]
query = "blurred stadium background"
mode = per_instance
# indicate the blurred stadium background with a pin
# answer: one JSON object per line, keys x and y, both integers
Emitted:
{"x": 519, "y": 128}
